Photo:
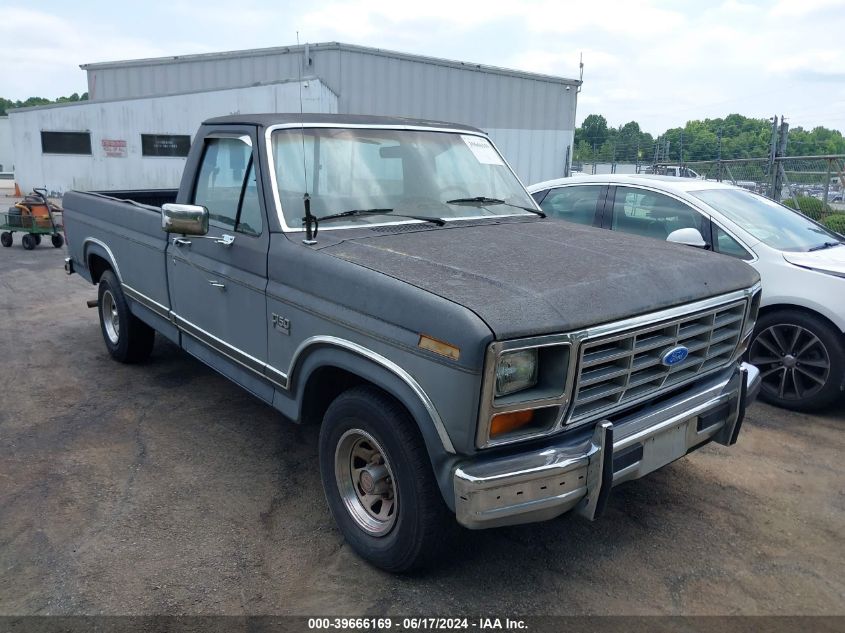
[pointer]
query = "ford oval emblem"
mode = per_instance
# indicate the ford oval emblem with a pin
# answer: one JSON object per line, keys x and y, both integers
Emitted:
{"x": 674, "y": 356}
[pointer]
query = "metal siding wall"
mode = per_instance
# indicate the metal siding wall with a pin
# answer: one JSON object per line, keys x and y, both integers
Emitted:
{"x": 127, "y": 120}
{"x": 367, "y": 83}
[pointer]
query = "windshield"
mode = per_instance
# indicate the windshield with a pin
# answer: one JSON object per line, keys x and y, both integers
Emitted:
{"x": 773, "y": 224}
{"x": 404, "y": 172}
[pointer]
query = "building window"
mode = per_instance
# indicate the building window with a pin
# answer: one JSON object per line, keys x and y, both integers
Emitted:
{"x": 66, "y": 143}
{"x": 165, "y": 145}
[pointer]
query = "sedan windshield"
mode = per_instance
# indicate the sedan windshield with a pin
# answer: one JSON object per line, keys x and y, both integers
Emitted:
{"x": 773, "y": 224}
{"x": 426, "y": 174}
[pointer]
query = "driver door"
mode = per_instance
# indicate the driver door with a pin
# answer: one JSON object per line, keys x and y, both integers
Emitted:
{"x": 218, "y": 282}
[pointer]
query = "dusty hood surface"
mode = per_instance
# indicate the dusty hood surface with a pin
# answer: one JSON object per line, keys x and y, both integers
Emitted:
{"x": 539, "y": 277}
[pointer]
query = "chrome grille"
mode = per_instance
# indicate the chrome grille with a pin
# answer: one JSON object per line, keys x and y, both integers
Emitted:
{"x": 622, "y": 368}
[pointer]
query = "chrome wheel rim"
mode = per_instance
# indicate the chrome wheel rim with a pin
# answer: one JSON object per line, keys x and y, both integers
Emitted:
{"x": 111, "y": 319}
{"x": 365, "y": 482}
{"x": 794, "y": 364}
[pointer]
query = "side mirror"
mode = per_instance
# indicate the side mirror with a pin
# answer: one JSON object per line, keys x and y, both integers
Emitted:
{"x": 689, "y": 236}
{"x": 186, "y": 219}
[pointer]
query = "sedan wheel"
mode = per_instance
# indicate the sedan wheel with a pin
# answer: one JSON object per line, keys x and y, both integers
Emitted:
{"x": 800, "y": 357}
{"x": 794, "y": 364}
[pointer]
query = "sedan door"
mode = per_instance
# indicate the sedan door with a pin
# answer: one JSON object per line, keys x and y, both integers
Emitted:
{"x": 649, "y": 213}
{"x": 581, "y": 204}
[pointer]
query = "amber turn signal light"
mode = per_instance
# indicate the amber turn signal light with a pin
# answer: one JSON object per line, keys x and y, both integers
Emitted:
{"x": 507, "y": 422}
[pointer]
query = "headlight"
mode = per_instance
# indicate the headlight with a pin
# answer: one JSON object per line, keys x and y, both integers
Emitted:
{"x": 516, "y": 371}
{"x": 753, "y": 310}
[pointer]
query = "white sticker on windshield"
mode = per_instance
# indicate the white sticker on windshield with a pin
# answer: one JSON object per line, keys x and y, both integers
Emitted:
{"x": 482, "y": 150}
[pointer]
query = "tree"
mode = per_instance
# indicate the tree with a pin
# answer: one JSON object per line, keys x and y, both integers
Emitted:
{"x": 8, "y": 104}
{"x": 593, "y": 130}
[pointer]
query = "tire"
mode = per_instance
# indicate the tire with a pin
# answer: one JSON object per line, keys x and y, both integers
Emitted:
{"x": 364, "y": 422}
{"x": 28, "y": 241}
{"x": 57, "y": 240}
{"x": 801, "y": 358}
{"x": 128, "y": 339}
{"x": 37, "y": 239}
{"x": 6, "y": 239}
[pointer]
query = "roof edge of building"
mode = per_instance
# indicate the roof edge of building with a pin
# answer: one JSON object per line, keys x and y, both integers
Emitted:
{"x": 256, "y": 52}
{"x": 257, "y": 84}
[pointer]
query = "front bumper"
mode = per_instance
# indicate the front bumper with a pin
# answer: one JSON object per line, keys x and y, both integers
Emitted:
{"x": 578, "y": 474}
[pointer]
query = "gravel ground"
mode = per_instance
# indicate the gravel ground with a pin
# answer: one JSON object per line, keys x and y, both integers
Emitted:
{"x": 165, "y": 489}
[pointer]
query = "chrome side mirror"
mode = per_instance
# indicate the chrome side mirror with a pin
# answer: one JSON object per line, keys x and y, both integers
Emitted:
{"x": 185, "y": 219}
{"x": 688, "y": 236}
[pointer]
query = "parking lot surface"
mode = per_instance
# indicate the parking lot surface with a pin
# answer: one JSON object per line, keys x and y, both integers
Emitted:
{"x": 165, "y": 489}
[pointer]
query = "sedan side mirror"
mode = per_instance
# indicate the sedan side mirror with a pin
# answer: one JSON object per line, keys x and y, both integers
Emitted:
{"x": 688, "y": 236}
{"x": 186, "y": 219}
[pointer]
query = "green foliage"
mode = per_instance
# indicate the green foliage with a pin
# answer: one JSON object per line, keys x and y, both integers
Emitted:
{"x": 7, "y": 104}
{"x": 835, "y": 222}
{"x": 741, "y": 137}
{"x": 809, "y": 206}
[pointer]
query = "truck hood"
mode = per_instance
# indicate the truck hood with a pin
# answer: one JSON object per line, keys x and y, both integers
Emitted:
{"x": 540, "y": 277}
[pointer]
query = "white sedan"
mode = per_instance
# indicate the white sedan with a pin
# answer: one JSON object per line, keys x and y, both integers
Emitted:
{"x": 799, "y": 341}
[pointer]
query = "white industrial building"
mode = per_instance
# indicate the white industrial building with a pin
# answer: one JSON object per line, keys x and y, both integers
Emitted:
{"x": 136, "y": 128}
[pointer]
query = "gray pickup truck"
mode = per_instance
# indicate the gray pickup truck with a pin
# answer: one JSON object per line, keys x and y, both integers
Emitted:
{"x": 392, "y": 281}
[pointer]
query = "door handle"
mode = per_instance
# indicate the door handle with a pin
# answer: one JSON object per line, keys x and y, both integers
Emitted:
{"x": 225, "y": 239}
{"x": 216, "y": 284}
{"x": 181, "y": 241}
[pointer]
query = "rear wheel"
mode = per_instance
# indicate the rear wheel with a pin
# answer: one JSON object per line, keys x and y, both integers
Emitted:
{"x": 37, "y": 239}
{"x": 379, "y": 483}
{"x": 801, "y": 359}
{"x": 6, "y": 239}
{"x": 28, "y": 241}
{"x": 128, "y": 339}
{"x": 57, "y": 240}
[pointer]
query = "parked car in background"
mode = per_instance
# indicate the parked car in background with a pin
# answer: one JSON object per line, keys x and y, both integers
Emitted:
{"x": 799, "y": 341}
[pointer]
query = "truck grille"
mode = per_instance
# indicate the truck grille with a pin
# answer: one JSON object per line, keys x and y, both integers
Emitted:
{"x": 619, "y": 369}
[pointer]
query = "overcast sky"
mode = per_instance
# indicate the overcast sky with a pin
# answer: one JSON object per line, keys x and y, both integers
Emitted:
{"x": 658, "y": 63}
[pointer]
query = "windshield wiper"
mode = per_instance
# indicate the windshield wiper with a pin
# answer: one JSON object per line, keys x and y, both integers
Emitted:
{"x": 485, "y": 201}
{"x": 821, "y": 247}
{"x": 362, "y": 212}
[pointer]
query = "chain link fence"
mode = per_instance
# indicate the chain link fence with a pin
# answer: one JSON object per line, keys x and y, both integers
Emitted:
{"x": 815, "y": 185}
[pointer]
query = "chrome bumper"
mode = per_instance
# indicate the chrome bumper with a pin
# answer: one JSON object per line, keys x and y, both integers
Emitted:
{"x": 578, "y": 475}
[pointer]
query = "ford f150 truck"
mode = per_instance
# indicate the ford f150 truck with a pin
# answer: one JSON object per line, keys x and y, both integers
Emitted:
{"x": 392, "y": 281}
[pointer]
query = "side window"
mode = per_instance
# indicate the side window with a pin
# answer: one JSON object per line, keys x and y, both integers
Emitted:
{"x": 651, "y": 214}
{"x": 727, "y": 245}
{"x": 539, "y": 195}
{"x": 249, "y": 218}
{"x": 573, "y": 204}
{"x": 221, "y": 178}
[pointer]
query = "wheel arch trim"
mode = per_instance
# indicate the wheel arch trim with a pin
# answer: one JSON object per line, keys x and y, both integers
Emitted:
{"x": 315, "y": 342}
{"x": 92, "y": 246}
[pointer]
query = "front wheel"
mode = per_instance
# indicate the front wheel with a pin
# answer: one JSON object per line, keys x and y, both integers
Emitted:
{"x": 801, "y": 359}
{"x": 6, "y": 239}
{"x": 28, "y": 241}
{"x": 128, "y": 339}
{"x": 57, "y": 240}
{"x": 379, "y": 483}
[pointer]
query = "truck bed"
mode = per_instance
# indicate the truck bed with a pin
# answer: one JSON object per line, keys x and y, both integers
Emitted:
{"x": 125, "y": 227}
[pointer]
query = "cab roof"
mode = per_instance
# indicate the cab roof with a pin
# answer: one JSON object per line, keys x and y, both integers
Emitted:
{"x": 269, "y": 119}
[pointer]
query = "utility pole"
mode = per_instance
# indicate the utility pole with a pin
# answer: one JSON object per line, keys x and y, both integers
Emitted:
{"x": 780, "y": 152}
{"x": 681, "y": 153}
{"x": 719, "y": 156}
